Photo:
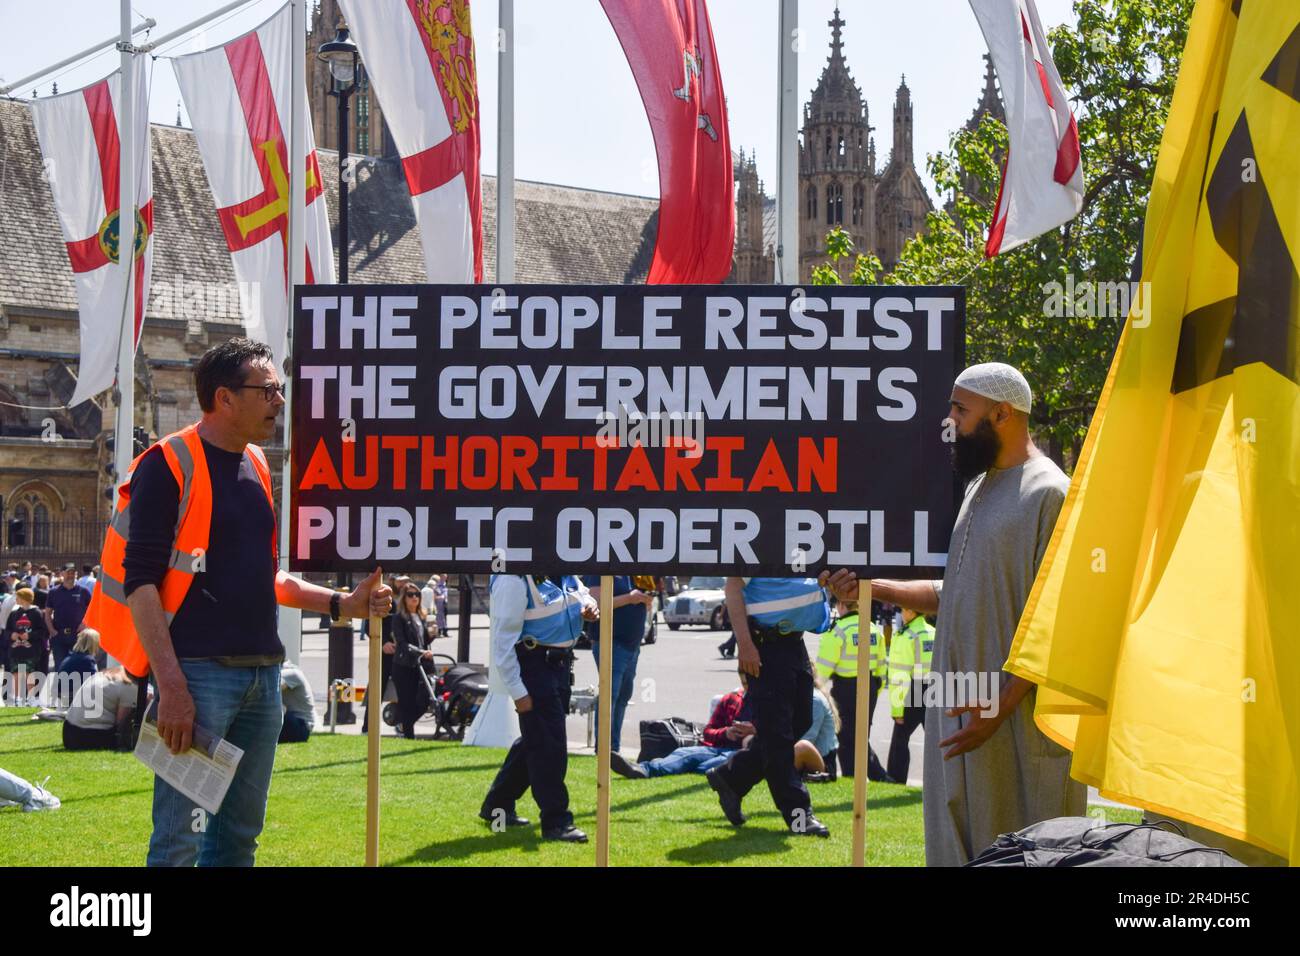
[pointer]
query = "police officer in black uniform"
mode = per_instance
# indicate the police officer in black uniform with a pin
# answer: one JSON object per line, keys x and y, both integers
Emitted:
{"x": 535, "y": 623}
{"x": 770, "y": 616}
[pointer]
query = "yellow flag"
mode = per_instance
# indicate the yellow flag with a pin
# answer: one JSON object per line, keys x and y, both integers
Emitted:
{"x": 1164, "y": 624}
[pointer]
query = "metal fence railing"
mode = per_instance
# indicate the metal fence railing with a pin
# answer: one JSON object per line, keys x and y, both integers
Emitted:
{"x": 51, "y": 542}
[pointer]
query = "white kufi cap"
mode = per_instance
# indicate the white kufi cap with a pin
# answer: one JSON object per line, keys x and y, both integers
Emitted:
{"x": 999, "y": 382}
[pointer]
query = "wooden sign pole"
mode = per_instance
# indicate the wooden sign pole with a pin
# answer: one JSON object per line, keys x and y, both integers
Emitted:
{"x": 862, "y": 725}
{"x": 604, "y": 718}
{"x": 375, "y": 708}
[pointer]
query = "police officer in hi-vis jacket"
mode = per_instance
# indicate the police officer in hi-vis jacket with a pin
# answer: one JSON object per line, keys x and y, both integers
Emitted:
{"x": 535, "y": 622}
{"x": 910, "y": 651}
{"x": 837, "y": 659}
{"x": 770, "y": 616}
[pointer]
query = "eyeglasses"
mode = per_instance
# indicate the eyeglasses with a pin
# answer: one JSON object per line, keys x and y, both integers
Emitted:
{"x": 269, "y": 390}
{"x": 414, "y": 594}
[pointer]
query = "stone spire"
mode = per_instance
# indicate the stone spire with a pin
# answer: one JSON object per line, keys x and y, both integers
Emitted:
{"x": 990, "y": 104}
{"x": 903, "y": 124}
{"x": 837, "y": 176}
{"x": 837, "y": 43}
{"x": 836, "y": 91}
{"x": 990, "y": 101}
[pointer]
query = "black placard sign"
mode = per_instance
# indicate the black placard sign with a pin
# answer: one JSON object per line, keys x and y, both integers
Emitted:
{"x": 756, "y": 430}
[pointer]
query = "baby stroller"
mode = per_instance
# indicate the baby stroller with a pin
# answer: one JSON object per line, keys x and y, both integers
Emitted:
{"x": 458, "y": 693}
{"x": 455, "y": 693}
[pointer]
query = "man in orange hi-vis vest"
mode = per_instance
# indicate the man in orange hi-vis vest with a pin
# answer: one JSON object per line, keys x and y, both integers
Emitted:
{"x": 190, "y": 590}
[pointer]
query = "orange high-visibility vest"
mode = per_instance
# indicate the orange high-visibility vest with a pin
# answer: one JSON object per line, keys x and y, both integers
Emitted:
{"x": 108, "y": 612}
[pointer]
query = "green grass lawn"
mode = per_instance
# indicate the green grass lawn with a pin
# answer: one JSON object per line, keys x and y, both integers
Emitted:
{"x": 430, "y": 795}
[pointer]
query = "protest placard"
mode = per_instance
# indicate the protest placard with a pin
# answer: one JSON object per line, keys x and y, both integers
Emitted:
{"x": 749, "y": 429}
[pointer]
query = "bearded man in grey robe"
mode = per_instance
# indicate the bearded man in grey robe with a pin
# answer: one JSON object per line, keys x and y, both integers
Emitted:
{"x": 988, "y": 769}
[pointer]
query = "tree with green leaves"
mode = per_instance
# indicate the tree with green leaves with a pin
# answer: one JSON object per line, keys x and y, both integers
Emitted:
{"x": 1120, "y": 62}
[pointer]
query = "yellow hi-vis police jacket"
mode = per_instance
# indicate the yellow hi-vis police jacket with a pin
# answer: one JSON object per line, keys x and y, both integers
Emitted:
{"x": 837, "y": 653}
{"x": 910, "y": 651}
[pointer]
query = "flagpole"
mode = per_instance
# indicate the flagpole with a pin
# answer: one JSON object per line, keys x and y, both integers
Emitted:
{"x": 124, "y": 446}
{"x": 496, "y": 716}
{"x": 192, "y": 25}
{"x": 291, "y": 618}
{"x": 506, "y": 143}
{"x": 787, "y": 151}
{"x": 115, "y": 39}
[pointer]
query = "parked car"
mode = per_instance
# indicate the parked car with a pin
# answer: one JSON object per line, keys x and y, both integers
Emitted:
{"x": 702, "y": 601}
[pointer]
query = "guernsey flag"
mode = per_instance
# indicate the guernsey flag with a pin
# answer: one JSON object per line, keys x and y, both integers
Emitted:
{"x": 80, "y": 135}
{"x": 1164, "y": 625}
{"x": 240, "y": 100}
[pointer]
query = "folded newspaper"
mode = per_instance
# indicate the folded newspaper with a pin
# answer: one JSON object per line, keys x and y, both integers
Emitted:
{"x": 203, "y": 773}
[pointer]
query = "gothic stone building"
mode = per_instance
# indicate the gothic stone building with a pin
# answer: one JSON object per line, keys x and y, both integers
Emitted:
{"x": 839, "y": 184}
{"x": 54, "y": 461}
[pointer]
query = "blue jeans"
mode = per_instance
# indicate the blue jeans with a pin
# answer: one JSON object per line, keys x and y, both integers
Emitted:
{"x": 687, "y": 760}
{"x": 241, "y": 704}
{"x": 624, "y": 682}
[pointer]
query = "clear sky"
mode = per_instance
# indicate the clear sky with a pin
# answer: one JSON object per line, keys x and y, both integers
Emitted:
{"x": 579, "y": 119}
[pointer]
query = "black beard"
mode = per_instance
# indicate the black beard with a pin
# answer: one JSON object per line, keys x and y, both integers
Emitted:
{"x": 975, "y": 453}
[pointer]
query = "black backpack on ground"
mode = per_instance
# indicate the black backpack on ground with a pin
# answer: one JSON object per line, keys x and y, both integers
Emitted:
{"x": 661, "y": 737}
{"x": 1085, "y": 841}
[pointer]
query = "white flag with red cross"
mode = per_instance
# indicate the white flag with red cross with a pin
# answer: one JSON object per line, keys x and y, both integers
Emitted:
{"x": 1042, "y": 183}
{"x": 419, "y": 56}
{"x": 239, "y": 98}
{"x": 80, "y": 135}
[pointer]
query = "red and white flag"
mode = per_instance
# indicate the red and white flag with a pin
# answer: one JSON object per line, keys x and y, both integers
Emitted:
{"x": 419, "y": 56}
{"x": 1042, "y": 182}
{"x": 239, "y": 98}
{"x": 80, "y": 134}
{"x": 669, "y": 45}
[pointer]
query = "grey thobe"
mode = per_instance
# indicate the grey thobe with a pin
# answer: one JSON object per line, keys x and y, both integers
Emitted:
{"x": 1018, "y": 776}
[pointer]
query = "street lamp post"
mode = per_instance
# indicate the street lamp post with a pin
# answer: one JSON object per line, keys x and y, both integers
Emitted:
{"x": 341, "y": 55}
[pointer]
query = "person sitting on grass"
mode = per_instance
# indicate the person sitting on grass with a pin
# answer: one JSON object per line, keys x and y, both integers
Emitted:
{"x": 724, "y": 734}
{"x": 99, "y": 717}
{"x": 299, "y": 704}
{"x": 815, "y": 752}
{"x": 77, "y": 667}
